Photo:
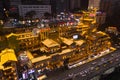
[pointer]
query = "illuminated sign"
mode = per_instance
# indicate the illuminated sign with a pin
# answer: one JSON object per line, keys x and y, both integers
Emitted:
{"x": 75, "y": 36}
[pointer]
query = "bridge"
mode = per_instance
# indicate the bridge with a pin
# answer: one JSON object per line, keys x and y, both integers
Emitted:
{"x": 88, "y": 71}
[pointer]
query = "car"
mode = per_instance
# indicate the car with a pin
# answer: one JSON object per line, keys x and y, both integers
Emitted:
{"x": 97, "y": 68}
{"x": 117, "y": 59}
{"x": 94, "y": 63}
{"x": 41, "y": 77}
{"x": 70, "y": 75}
{"x": 102, "y": 59}
{"x": 83, "y": 75}
{"x": 112, "y": 55}
{"x": 92, "y": 68}
{"x": 104, "y": 65}
{"x": 111, "y": 61}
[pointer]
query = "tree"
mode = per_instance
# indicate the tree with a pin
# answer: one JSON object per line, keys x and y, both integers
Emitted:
{"x": 47, "y": 15}
{"x": 1, "y": 16}
{"x": 1, "y": 27}
{"x": 3, "y": 43}
{"x": 30, "y": 14}
{"x": 13, "y": 43}
{"x": 14, "y": 15}
{"x": 21, "y": 18}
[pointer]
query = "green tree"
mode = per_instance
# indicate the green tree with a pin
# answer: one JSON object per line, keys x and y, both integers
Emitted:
{"x": 14, "y": 15}
{"x": 1, "y": 16}
{"x": 1, "y": 28}
{"x": 13, "y": 43}
{"x": 3, "y": 42}
{"x": 30, "y": 14}
{"x": 47, "y": 15}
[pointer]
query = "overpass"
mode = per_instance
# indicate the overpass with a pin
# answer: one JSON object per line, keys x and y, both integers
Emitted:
{"x": 88, "y": 71}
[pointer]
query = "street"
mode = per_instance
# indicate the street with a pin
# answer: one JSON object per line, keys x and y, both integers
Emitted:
{"x": 88, "y": 70}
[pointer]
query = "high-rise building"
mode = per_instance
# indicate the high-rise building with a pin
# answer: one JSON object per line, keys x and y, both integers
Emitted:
{"x": 67, "y": 5}
{"x": 110, "y": 6}
{"x": 112, "y": 9}
{"x": 35, "y": 2}
{"x": 60, "y": 5}
{"x": 106, "y": 6}
{"x": 4, "y": 6}
{"x": 39, "y": 10}
{"x": 39, "y": 6}
{"x": 100, "y": 18}
{"x": 14, "y": 5}
{"x": 15, "y": 2}
{"x": 94, "y": 4}
{"x": 75, "y": 4}
{"x": 1, "y": 10}
{"x": 78, "y": 4}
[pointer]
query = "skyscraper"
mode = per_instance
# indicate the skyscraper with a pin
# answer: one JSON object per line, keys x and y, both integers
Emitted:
{"x": 1, "y": 10}
{"x": 35, "y": 2}
{"x": 4, "y": 6}
{"x": 112, "y": 9}
{"x": 94, "y": 4}
{"x": 14, "y": 5}
{"x": 59, "y": 5}
{"x": 78, "y": 4}
{"x": 106, "y": 6}
{"x": 75, "y": 4}
{"x": 39, "y": 6}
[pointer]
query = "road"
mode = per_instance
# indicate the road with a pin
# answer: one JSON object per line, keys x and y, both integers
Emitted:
{"x": 87, "y": 70}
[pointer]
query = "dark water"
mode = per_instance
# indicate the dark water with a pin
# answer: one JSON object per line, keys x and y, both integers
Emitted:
{"x": 113, "y": 76}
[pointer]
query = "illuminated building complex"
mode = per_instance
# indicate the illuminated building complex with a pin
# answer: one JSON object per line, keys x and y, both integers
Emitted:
{"x": 8, "y": 65}
{"x": 44, "y": 33}
{"x": 70, "y": 44}
{"x": 26, "y": 40}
